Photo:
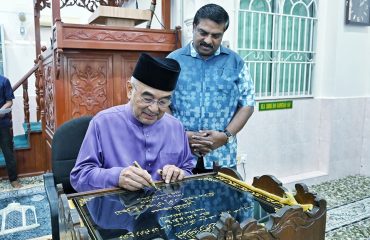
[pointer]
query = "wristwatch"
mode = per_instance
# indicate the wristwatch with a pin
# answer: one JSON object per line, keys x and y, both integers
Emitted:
{"x": 228, "y": 135}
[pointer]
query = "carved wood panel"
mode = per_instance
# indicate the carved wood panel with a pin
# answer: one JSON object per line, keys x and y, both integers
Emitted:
{"x": 111, "y": 35}
{"x": 49, "y": 97}
{"x": 128, "y": 65}
{"x": 89, "y": 84}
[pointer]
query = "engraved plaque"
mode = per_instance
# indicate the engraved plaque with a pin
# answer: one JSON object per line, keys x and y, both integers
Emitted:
{"x": 173, "y": 211}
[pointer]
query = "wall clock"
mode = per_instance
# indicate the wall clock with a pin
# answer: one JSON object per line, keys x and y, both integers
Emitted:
{"x": 358, "y": 12}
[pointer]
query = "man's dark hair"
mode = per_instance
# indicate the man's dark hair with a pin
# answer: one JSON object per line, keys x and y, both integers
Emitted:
{"x": 212, "y": 12}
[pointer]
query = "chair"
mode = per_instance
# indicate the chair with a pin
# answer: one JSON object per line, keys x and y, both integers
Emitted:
{"x": 65, "y": 146}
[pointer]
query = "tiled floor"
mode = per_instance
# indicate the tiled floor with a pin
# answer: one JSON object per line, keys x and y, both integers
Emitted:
{"x": 26, "y": 182}
{"x": 348, "y": 201}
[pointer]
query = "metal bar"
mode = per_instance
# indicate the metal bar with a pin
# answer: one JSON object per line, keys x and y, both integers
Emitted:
{"x": 293, "y": 32}
{"x": 289, "y": 75}
{"x": 259, "y": 32}
{"x": 251, "y": 31}
{"x": 300, "y": 77}
{"x": 299, "y": 34}
{"x": 286, "y": 33}
{"x": 295, "y": 78}
{"x": 244, "y": 27}
{"x": 305, "y": 35}
{"x": 305, "y": 77}
{"x": 273, "y": 47}
{"x": 309, "y": 75}
{"x": 284, "y": 79}
{"x": 311, "y": 37}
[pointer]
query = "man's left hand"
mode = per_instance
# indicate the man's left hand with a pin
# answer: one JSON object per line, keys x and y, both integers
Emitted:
{"x": 171, "y": 173}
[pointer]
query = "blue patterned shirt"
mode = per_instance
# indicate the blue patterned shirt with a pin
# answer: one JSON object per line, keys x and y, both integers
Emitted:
{"x": 209, "y": 92}
{"x": 6, "y": 94}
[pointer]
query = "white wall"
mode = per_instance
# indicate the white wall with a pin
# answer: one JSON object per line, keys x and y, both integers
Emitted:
{"x": 343, "y": 55}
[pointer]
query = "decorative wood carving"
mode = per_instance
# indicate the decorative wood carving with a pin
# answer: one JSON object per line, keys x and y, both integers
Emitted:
{"x": 26, "y": 106}
{"x": 228, "y": 228}
{"x": 91, "y": 5}
{"x": 37, "y": 91}
{"x": 88, "y": 89}
{"x": 40, "y": 88}
{"x": 270, "y": 184}
{"x": 289, "y": 222}
{"x": 78, "y": 36}
{"x": 41, "y": 4}
{"x": 106, "y": 35}
{"x": 251, "y": 230}
{"x": 49, "y": 97}
{"x": 303, "y": 196}
{"x": 39, "y": 84}
{"x": 57, "y": 62}
{"x": 128, "y": 65}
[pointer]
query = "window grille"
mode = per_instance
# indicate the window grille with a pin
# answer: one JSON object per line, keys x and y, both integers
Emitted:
{"x": 2, "y": 51}
{"x": 276, "y": 40}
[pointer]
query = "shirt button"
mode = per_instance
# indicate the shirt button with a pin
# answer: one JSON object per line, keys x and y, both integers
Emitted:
{"x": 149, "y": 164}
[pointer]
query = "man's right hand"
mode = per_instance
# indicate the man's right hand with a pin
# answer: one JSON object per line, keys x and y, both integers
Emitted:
{"x": 199, "y": 143}
{"x": 133, "y": 178}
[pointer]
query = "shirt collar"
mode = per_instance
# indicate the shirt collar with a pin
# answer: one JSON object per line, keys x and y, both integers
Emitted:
{"x": 194, "y": 53}
{"x": 130, "y": 115}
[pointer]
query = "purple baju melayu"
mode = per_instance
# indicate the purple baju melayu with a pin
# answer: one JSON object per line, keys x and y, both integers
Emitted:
{"x": 115, "y": 139}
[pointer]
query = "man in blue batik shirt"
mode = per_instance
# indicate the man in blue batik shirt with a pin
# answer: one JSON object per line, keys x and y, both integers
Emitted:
{"x": 214, "y": 97}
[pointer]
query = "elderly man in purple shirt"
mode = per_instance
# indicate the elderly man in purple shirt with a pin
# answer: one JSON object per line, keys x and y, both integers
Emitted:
{"x": 137, "y": 131}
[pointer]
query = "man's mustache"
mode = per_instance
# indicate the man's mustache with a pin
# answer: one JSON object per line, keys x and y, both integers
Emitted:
{"x": 153, "y": 114}
{"x": 204, "y": 44}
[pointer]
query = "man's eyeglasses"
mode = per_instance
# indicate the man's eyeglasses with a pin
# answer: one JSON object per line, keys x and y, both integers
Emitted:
{"x": 162, "y": 103}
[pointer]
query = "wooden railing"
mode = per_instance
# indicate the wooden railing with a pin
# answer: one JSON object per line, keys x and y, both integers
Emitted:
{"x": 26, "y": 107}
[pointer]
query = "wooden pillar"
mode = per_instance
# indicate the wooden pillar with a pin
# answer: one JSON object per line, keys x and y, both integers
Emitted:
{"x": 55, "y": 10}
{"x": 166, "y": 13}
{"x": 36, "y": 15}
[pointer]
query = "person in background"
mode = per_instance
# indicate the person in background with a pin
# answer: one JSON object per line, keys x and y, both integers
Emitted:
{"x": 214, "y": 97}
{"x": 6, "y": 138}
{"x": 137, "y": 131}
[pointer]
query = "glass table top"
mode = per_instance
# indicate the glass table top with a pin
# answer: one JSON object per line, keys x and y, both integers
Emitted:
{"x": 173, "y": 211}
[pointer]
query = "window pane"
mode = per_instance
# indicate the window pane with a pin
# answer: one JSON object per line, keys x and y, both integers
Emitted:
{"x": 277, "y": 45}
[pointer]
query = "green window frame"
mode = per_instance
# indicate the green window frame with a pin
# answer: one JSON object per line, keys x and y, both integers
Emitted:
{"x": 276, "y": 38}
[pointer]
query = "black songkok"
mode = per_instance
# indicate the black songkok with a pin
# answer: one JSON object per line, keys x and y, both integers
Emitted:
{"x": 158, "y": 73}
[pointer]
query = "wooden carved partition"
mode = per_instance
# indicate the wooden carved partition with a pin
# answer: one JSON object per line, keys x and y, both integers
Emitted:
{"x": 87, "y": 67}
{"x": 288, "y": 222}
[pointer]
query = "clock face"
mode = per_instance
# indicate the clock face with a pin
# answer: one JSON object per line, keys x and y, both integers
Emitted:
{"x": 358, "y": 11}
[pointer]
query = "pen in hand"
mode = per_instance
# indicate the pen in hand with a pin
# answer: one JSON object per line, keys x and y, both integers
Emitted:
{"x": 151, "y": 183}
